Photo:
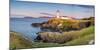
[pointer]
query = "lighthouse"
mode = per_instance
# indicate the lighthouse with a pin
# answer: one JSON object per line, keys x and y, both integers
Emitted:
{"x": 58, "y": 14}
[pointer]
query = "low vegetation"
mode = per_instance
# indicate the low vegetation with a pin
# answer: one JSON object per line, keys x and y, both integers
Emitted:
{"x": 61, "y": 33}
{"x": 81, "y": 40}
{"x": 18, "y": 42}
{"x": 53, "y": 39}
{"x": 64, "y": 37}
{"x": 61, "y": 25}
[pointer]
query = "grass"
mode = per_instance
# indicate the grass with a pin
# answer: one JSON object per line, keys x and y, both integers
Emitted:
{"x": 43, "y": 44}
{"x": 85, "y": 35}
{"x": 65, "y": 36}
{"x": 16, "y": 41}
{"x": 80, "y": 37}
{"x": 55, "y": 24}
{"x": 81, "y": 41}
{"x": 86, "y": 31}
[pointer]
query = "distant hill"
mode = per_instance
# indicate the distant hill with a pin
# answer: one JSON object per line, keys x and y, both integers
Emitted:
{"x": 28, "y": 17}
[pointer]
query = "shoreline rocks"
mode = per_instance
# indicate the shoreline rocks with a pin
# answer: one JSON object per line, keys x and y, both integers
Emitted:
{"x": 36, "y": 24}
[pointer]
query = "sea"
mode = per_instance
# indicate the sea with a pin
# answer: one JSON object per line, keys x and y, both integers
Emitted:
{"x": 24, "y": 28}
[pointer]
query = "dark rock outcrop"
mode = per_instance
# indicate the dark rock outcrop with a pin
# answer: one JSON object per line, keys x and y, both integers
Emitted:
{"x": 36, "y": 24}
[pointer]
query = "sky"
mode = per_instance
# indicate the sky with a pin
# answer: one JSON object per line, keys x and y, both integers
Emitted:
{"x": 33, "y": 9}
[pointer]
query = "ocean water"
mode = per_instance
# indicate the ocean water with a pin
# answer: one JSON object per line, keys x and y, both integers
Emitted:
{"x": 24, "y": 27}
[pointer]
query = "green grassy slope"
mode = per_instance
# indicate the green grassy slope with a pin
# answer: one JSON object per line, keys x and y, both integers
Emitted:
{"x": 16, "y": 41}
{"x": 80, "y": 37}
{"x": 82, "y": 40}
{"x": 86, "y": 35}
{"x": 57, "y": 37}
{"x": 43, "y": 44}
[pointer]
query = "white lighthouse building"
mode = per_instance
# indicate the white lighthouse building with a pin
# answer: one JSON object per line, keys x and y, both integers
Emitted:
{"x": 58, "y": 14}
{"x": 61, "y": 17}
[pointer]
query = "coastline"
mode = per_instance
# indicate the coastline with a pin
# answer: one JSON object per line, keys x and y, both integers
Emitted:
{"x": 56, "y": 38}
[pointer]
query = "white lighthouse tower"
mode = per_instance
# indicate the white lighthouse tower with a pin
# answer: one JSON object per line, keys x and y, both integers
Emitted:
{"x": 58, "y": 14}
